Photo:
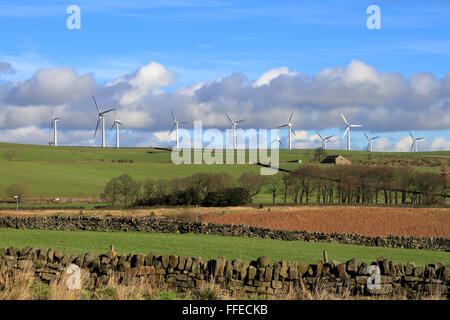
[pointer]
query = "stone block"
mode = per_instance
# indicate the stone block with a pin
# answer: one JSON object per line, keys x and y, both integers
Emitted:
{"x": 251, "y": 272}
{"x": 173, "y": 261}
{"x": 263, "y": 262}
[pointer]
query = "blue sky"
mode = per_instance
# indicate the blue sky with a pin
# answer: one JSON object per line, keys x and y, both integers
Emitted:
{"x": 203, "y": 41}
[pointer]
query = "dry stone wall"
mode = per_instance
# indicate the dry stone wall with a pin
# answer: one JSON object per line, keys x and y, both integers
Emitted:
{"x": 147, "y": 224}
{"x": 237, "y": 277}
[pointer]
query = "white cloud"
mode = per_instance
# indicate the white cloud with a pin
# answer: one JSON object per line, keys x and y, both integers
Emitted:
{"x": 268, "y": 76}
{"x": 143, "y": 82}
{"x": 52, "y": 86}
{"x": 381, "y": 101}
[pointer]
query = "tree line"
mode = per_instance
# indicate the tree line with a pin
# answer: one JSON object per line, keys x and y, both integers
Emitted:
{"x": 206, "y": 189}
{"x": 351, "y": 184}
{"x": 363, "y": 184}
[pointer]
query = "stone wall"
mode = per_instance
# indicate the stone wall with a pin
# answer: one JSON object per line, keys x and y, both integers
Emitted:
{"x": 146, "y": 224}
{"x": 237, "y": 277}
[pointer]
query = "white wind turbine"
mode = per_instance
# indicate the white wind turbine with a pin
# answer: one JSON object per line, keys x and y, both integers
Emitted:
{"x": 414, "y": 143}
{"x": 277, "y": 139}
{"x": 116, "y": 123}
{"x": 55, "y": 129}
{"x": 370, "y": 140}
{"x": 233, "y": 126}
{"x": 176, "y": 123}
{"x": 101, "y": 116}
{"x": 324, "y": 140}
{"x": 289, "y": 125}
{"x": 347, "y": 131}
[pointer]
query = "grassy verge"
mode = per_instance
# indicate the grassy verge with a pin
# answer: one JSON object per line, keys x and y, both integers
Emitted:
{"x": 209, "y": 246}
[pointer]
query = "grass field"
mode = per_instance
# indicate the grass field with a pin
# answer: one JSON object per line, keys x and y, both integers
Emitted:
{"x": 82, "y": 172}
{"x": 209, "y": 246}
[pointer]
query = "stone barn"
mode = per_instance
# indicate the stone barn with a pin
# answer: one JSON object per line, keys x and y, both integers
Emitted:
{"x": 337, "y": 159}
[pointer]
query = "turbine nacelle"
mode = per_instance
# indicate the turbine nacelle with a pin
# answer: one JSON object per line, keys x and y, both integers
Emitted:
{"x": 414, "y": 143}
{"x": 347, "y": 130}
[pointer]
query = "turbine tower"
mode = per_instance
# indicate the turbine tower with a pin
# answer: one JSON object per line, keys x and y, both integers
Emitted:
{"x": 324, "y": 140}
{"x": 370, "y": 140}
{"x": 55, "y": 129}
{"x": 101, "y": 116}
{"x": 116, "y": 123}
{"x": 414, "y": 143}
{"x": 233, "y": 126}
{"x": 347, "y": 131}
{"x": 176, "y": 123}
{"x": 289, "y": 125}
{"x": 277, "y": 139}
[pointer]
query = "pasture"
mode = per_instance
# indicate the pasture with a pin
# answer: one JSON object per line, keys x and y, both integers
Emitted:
{"x": 210, "y": 246}
{"x": 82, "y": 172}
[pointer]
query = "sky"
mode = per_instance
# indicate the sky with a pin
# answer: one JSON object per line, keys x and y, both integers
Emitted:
{"x": 256, "y": 60}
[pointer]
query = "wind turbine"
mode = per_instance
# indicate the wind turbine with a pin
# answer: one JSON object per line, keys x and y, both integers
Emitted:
{"x": 289, "y": 125}
{"x": 101, "y": 116}
{"x": 116, "y": 123}
{"x": 324, "y": 140}
{"x": 369, "y": 145}
{"x": 277, "y": 139}
{"x": 347, "y": 131}
{"x": 176, "y": 123}
{"x": 233, "y": 126}
{"x": 55, "y": 129}
{"x": 414, "y": 144}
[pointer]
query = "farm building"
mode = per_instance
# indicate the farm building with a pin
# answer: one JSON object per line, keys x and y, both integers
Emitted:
{"x": 337, "y": 159}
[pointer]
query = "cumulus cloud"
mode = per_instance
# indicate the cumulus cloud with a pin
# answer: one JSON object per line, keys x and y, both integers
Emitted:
{"x": 380, "y": 101}
{"x": 268, "y": 76}
{"x": 144, "y": 81}
{"x": 51, "y": 86}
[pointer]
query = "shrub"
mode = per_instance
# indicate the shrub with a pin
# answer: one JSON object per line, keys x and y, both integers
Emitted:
{"x": 19, "y": 189}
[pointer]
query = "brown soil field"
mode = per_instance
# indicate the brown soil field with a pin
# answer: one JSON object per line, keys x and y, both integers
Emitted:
{"x": 371, "y": 221}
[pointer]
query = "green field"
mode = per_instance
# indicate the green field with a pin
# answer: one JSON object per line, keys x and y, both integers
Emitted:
{"x": 82, "y": 172}
{"x": 209, "y": 246}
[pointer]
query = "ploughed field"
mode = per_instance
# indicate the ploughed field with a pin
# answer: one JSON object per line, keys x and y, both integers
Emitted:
{"x": 371, "y": 221}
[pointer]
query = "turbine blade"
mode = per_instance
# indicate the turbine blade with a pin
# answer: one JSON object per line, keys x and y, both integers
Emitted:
{"x": 51, "y": 126}
{"x": 343, "y": 118}
{"x": 98, "y": 122}
{"x": 293, "y": 131}
{"x": 319, "y": 135}
{"x": 240, "y": 121}
{"x": 229, "y": 118}
{"x": 420, "y": 139}
{"x": 375, "y": 137}
{"x": 173, "y": 116}
{"x": 104, "y": 112}
{"x": 411, "y": 134}
{"x": 113, "y": 125}
{"x": 345, "y": 132}
{"x": 366, "y": 136}
{"x": 284, "y": 125}
{"x": 412, "y": 146}
{"x": 96, "y": 105}
{"x": 329, "y": 137}
{"x": 356, "y": 125}
{"x": 172, "y": 128}
{"x": 290, "y": 118}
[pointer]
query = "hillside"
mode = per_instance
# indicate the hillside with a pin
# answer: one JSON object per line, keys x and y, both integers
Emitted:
{"x": 83, "y": 171}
